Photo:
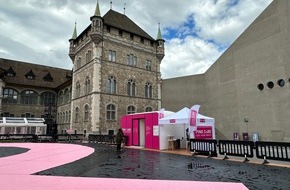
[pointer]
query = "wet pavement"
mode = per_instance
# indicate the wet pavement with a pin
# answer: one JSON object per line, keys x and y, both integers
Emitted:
{"x": 9, "y": 151}
{"x": 139, "y": 164}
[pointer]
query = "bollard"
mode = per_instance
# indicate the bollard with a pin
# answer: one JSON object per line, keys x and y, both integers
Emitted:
{"x": 209, "y": 154}
{"x": 225, "y": 157}
{"x": 265, "y": 161}
{"x": 246, "y": 159}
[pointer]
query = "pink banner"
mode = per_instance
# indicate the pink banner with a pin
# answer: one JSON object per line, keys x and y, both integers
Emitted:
{"x": 203, "y": 132}
{"x": 193, "y": 114}
{"x": 161, "y": 113}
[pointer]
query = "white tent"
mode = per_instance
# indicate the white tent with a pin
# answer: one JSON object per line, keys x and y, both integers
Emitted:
{"x": 176, "y": 124}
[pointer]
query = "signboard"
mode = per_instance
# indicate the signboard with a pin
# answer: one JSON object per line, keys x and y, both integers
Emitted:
{"x": 172, "y": 121}
{"x": 203, "y": 132}
{"x": 255, "y": 137}
{"x": 155, "y": 130}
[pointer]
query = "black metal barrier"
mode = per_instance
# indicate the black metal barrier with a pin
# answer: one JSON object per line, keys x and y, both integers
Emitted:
{"x": 93, "y": 138}
{"x": 44, "y": 138}
{"x": 18, "y": 137}
{"x": 236, "y": 148}
{"x": 273, "y": 151}
{"x": 204, "y": 147}
{"x": 69, "y": 137}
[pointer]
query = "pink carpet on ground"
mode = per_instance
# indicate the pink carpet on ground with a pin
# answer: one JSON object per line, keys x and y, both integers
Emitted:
{"x": 15, "y": 172}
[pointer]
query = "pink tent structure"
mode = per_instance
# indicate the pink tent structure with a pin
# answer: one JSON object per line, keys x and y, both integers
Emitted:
{"x": 142, "y": 130}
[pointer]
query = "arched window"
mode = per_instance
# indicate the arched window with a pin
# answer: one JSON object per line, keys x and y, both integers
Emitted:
{"x": 87, "y": 85}
{"x": 131, "y": 109}
{"x": 111, "y": 112}
{"x": 111, "y": 85}
{"x": 78, "y": 90}
{"x": 28, "y": 97}
{"x": 66, "y": 117}
{"x": 88, "y": 56}
{"x": 77, "y": 115}
{"x": 79, "y": 62}
{"x": 86, "y": 114}
{"x": 60, "y": 97}
{"x": 131, "y": 87}
{"x": 69, "y": 115}
{"x": 60, "y": 118}
{"x": 47, "y": 98}
{"x": 148, "y": 90}
{"x": 66, "y": 96}
{"x": 63, "y": 117}
{"x": 148, "y": 109}
{"x": 10, "y": 96}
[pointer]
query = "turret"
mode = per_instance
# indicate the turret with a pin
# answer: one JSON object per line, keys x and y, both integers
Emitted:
{"x": 97, "y": 26}
{"x": 160, "y": 45}
{"x": 72, "y": 45}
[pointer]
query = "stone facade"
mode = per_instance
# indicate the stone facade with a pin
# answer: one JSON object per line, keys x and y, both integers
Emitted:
{"x": 105, "y": 50}
{"x": 112, "y": 49}
{"x": 247, "y": 89}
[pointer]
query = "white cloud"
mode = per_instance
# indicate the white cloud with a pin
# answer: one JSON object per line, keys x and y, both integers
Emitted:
{"x": 183, "y": 57}
{"x": 38, "y": 30}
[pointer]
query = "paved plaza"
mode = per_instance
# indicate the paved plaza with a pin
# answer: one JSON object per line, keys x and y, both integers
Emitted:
{"x": 137, "y": 168}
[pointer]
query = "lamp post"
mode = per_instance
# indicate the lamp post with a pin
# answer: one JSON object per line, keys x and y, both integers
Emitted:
{"x": 246, "y": 120}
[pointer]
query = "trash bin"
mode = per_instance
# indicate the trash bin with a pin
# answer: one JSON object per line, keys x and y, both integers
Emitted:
{"x": 177, "y": 144}
{"x": 245, "y": 136}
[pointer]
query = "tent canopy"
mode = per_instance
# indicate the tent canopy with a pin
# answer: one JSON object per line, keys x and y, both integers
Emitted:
{"x": 182, "y": 117}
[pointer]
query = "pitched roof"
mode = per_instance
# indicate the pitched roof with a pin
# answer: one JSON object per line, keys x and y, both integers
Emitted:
{"x": 40, "y": 71}
{"x": 121, "y": 21}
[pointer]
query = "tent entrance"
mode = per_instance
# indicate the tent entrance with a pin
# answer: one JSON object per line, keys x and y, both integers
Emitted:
{"x": 138, "y": 132}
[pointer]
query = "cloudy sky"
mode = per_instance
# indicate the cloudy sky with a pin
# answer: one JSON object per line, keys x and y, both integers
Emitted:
{"x": 197, "y": 32}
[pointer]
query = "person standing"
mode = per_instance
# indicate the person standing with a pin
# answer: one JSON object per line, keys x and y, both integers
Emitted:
{"x": 119, "y": 139}
{"x": 187, "y": 139}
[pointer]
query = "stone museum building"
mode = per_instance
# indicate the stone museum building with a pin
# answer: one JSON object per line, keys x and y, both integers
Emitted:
{"x": 116, "y": 70}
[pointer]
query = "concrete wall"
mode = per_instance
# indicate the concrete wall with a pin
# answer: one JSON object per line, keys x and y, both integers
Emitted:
{"x": 260, "y": 55}
{"x": 181, "y": 92}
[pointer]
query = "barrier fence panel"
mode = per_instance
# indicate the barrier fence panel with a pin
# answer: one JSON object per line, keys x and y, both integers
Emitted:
{"x": 99, "y": 138}
{"x": 203, "y": 147}
{"x": 273, "y": 150}
{"x": 236, "y": 148}
{"x": 17, "y": 137}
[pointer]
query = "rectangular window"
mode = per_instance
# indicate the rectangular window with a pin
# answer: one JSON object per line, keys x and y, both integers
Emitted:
{"x": 148, "y": 65}
{"x": 112, "y": 55}
{"x": 131, "y": 60}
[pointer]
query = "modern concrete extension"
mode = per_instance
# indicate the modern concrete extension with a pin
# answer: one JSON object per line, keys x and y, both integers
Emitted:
{"x": 247, "y": 89}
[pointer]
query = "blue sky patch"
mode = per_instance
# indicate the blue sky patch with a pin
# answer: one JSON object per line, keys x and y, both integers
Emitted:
{"x": 186, "y": 29}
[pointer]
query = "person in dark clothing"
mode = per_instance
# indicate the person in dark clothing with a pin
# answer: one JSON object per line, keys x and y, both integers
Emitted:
{"x": 119, "y": 139}
{"x": 187, "y": 139}
{"x": 187, "y": 134}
